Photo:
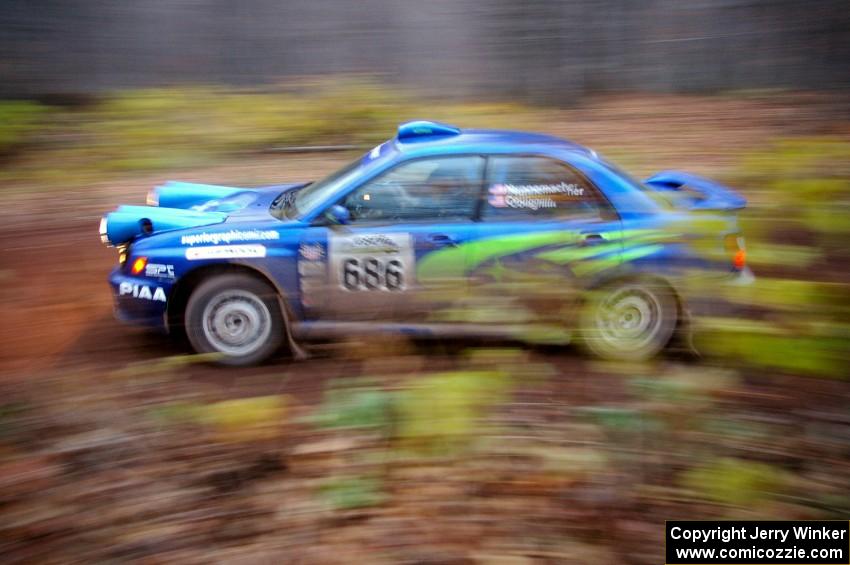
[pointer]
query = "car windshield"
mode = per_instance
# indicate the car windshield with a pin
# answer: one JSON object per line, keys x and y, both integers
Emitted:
{"x": 304, "y": 201}
{"x": 311, "y": 195}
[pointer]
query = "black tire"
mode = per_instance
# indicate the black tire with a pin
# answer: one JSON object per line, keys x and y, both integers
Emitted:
{"x": 236, "y": 315}
{"x": 629, "y": 320}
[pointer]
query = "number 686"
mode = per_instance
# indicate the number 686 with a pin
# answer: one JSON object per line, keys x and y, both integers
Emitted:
{"x": 372, "y": 273}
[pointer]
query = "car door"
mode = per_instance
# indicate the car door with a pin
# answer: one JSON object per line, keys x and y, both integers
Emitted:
{"x": 544, "y": 228}
{"x": 368, "y": 269}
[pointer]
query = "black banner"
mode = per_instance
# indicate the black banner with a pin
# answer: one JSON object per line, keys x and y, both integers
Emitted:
{"x": 822, "y": 542}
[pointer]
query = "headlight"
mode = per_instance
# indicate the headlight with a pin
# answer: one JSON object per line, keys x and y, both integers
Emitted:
{"x": 152, "y": 199}
{"x": 104, "y": 238}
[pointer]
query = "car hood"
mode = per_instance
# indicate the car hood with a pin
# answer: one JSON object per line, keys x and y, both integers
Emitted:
{"x": 180, "y": 205}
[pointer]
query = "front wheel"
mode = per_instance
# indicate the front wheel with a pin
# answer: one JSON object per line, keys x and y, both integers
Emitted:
{"x": 629, "y": 320}
{"x": 237, "y": 316}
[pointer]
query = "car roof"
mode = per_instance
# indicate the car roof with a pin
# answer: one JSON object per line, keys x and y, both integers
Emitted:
{"x": 425, "y": 137}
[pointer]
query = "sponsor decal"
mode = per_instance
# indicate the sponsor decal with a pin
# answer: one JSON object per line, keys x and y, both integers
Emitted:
{"x": 141, "y": 291}
{"x": 311, "y": 252}
{"x": 531, "y": 196}
{"x": 230, "y": 236}
{"x": 225, "y": 252}
{"x": 373, "y": 243}
{"x": 311, "y": 269}
{"x": 159, "y": 270}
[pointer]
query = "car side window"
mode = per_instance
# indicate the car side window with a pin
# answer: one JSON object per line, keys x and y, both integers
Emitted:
{"x": 424, "y": 189}
{"x": 523, "y": 188}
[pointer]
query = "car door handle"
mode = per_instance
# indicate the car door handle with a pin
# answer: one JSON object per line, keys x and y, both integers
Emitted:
{"x": 592, "y": 239}
{"x": 441, "y": 239}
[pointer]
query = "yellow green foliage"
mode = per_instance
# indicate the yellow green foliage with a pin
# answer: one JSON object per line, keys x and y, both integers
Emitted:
{"x": 688, "y": 388}
{"x": 736, "y": 482}
{"x": 364, "y": 408}
{"x": 796, "y": 226}
{"x": 444, "y": 410}
{"x": 185, "y": 126}
{"x": 245, "y": 419}
{"x": 346, "y": 493}
{"x": 807, "y": 333}
{"x": 18, "y": 120}
{"x": 799, "y": 183}
{"x": 817, "y": 352}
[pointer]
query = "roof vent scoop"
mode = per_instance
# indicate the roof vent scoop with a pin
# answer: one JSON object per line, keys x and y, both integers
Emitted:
{"x": 423, "y": 130}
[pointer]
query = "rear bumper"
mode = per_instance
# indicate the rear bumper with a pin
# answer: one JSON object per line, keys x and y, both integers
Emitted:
{"x": 140, "y": 301}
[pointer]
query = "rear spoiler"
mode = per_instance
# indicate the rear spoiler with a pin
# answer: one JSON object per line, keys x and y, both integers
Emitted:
{"x": 693, "y": 192}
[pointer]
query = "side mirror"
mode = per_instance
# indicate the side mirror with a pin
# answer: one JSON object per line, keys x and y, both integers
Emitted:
{"x": 338, "y": 215}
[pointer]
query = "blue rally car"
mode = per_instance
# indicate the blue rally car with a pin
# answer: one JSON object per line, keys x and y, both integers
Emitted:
{"x": 436, "y": 232}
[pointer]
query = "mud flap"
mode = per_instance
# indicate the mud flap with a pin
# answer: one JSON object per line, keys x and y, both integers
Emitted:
{"x": 298, "y": 352}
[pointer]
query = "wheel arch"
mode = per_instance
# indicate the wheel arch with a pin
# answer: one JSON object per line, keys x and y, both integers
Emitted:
{"x": 179, "y": 298}
{"x": 682, "y": 328}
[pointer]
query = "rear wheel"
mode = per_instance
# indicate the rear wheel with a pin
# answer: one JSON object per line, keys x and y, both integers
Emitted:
{"x": 237, "y": 316}
{"x": 629, "y": 320}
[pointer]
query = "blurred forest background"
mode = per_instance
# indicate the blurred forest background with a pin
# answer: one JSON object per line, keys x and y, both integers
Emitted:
{"x": 535, "y": 50}
{"x": 116, "y": 445}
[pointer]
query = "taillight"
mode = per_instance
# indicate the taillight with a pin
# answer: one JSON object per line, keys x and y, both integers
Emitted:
{"x": 734, "y": 244}
{"x": 739, "y": 261}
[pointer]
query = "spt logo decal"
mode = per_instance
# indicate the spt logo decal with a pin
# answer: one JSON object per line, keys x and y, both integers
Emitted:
{"x": 159, "y": 270}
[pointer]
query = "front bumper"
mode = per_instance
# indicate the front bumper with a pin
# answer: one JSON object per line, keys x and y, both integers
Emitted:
{"x": 140, "y": 301}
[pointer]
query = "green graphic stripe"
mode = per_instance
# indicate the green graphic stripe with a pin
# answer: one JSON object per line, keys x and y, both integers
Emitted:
{"x": 645, "y": 235}
{"x": 631, "y": 237}
{"x": 593, "y": 267}
{"x": 569, "y": 254}
{"x": 454, "y": 261}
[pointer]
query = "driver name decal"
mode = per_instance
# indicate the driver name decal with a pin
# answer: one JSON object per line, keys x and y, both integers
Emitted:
{"x": 532, "y": 196}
